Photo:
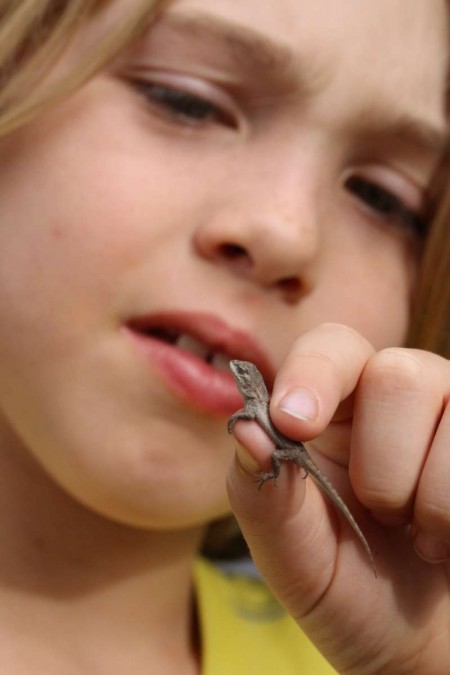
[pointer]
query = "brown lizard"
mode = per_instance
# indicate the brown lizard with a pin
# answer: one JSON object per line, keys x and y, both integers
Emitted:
{"x": 256, "y": 401}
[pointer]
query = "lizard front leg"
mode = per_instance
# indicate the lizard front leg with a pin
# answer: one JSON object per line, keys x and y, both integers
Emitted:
{"x": 243, "y": 414}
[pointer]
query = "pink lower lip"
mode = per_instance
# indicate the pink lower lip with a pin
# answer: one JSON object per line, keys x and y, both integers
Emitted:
{"x": 189, "y": 377}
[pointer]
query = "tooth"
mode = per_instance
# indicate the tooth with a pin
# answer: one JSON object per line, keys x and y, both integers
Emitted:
{"x": 192, "y": 345}
{"x": 220, "y": 361}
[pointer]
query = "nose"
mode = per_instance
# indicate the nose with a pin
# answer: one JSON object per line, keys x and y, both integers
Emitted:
{"x": 266, "y": 230}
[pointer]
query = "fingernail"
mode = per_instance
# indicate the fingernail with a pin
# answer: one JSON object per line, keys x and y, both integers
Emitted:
{"x": 245, "y": 459}
{"x": 301, "y": 404}
{"x": 431, "y": 549}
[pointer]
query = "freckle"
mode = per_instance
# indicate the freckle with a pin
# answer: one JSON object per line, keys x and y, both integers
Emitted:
{"x": 57, "y": 231}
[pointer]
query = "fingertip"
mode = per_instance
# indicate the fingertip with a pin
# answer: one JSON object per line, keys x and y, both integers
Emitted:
{"x": 245, "y": 459}
{"x": 253, "y": 447}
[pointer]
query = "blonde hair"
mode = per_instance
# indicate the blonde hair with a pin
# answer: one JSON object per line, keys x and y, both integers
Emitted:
{"x": 33, "y": 33}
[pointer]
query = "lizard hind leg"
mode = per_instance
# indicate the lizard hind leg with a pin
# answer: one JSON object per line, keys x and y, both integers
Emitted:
{"x": 287, "y": 454}
{"x": 271, "y": 475}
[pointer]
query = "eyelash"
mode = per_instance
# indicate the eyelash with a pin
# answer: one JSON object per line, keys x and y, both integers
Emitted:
{"x": 197, "y": 111}
{"x": 385, "y": 204}
{"x": 183, "y": 106}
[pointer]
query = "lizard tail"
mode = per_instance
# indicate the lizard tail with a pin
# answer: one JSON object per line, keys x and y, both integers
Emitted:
{"x": 330, "y": 491}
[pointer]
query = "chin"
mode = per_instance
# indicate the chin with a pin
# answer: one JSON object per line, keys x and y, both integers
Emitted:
{"x": 157, "y": 502}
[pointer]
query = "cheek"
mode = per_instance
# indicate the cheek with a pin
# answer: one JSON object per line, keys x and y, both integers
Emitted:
{"x": 60, "y": 255}
{"x": 369, "y": 285}
{"x": 70, "y": 243}
{"x": 390, "y": 288}
{"x": 64, "y": 235}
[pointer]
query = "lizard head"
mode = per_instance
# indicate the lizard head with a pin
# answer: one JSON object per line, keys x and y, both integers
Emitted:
{"x": 248, "y": 378}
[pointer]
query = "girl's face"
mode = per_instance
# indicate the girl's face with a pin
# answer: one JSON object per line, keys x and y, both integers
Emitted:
{"x": 246, "y": 171}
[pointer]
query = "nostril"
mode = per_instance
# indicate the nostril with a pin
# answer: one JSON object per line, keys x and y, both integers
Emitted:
{"x": 232, "y": 252}
{"x": 291, "y": 284}
{"x": 290, "y": 288}
{"x": 236, "y": 257}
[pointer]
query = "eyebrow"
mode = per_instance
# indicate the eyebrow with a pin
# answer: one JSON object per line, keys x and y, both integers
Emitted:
{"x": 250, "y": 49}
{"x": 406, "y": 128}
{"x": 255, "y": 51}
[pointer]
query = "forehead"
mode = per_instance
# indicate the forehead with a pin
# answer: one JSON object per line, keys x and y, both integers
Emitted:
{"x": 395, "y": 48}
{"x": 377, "y": 23}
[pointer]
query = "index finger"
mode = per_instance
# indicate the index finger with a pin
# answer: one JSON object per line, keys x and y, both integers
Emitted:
{"x": 321, "y": 370}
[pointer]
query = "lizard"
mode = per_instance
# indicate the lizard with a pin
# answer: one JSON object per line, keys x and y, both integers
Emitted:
{"x": 256, "y": 407}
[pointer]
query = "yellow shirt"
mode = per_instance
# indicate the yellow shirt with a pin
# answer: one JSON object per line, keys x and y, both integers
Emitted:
{"x": 246, "y": 632}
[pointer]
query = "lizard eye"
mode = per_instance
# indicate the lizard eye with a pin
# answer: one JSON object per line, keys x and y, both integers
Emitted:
{"x": 236, "y": 366}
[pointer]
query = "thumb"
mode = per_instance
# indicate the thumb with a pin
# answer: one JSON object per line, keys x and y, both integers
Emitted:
{"x": 292, "y": 530}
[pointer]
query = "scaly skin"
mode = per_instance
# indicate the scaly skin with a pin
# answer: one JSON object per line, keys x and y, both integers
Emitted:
{"x": 256, "y": 407}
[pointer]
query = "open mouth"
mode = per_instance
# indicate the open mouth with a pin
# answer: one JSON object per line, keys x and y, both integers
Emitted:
{"x": 191, "y": 353}
{"x": 187, "y": 342}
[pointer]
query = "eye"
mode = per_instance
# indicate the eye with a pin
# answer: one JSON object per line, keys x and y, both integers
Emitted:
{"x": 183, "y": 106}
{"x": 385, "y": 204}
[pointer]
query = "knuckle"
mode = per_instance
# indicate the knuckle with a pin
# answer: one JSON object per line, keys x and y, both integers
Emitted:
{"x": 333, "y": 346}
{"x": 384, "y": 498}
{"x": 343, "y": 331}
{"x": 396, "y": 370}
{"x": 321, "y": 360}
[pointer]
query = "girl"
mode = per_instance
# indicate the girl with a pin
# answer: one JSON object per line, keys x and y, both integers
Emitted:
{"x": 181, "y": 184}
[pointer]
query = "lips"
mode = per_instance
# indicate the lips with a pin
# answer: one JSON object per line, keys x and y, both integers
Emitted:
{"x": 190, "y": 353}
{"x": 187, "y": 342}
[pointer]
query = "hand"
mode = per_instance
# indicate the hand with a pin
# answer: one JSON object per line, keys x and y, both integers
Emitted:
{"x": 379, "y": 427}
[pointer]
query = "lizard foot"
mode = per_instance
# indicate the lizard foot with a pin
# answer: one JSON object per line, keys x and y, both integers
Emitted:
{"x": 264, "y": 477}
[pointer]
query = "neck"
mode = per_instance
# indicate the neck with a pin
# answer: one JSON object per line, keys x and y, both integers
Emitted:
{"x": 84, "y": 575}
